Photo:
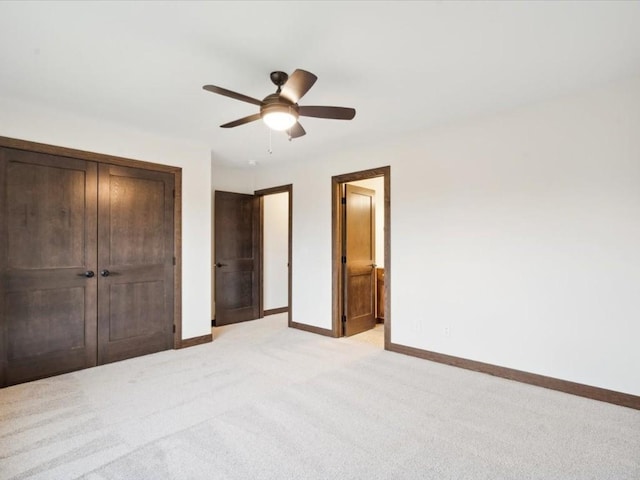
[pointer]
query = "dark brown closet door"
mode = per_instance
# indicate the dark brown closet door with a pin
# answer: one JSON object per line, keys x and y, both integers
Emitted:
{"x": 135, "y": 262}
{"x": 47, "y": 265}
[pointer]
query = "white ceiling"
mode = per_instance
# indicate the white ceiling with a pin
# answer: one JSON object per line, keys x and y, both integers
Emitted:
{"x": 404, "y": 66}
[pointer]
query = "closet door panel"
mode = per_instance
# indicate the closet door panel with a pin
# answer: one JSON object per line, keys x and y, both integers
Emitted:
{"x": 48, "y": 243}
{"x": 135, "y": 309}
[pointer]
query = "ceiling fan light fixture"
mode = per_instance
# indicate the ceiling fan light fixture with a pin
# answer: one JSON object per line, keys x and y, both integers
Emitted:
{"x": 280, "y": 110}
{"x": 279, "y": 117}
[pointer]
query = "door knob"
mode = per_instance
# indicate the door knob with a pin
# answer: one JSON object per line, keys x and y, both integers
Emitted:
{"x": 105, "y": 273}
{"x": 221, "y": 264}
{"x": 88, "y": 274}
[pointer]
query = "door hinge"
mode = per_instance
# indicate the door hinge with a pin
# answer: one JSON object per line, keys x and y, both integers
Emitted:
{"x": 174, "y": 260}
{"x": 343, "y": 200}
{"x": 174, "y": 193}
{"x": 344, "y": 259}
{"x": 174, "y": 328}
{"x": 344, "y": 319}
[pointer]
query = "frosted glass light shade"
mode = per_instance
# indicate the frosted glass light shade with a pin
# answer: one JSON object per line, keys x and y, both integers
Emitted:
{"x": 279, "y": 120}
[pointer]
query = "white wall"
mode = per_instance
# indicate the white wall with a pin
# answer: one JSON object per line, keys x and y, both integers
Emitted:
{"x": 519, "y": 232}
{"x": 276, "y": 251}
{"x": 40, "y": 124}
{"x": 377, "y": 185}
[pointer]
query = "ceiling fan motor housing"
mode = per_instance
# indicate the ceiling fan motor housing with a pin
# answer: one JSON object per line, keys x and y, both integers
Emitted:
{"x": 275, "y": 103}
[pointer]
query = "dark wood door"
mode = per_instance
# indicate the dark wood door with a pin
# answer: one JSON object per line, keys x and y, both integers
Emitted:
{"x": 47, "y": 265}
{"x": 135, "y": 262}
{"x": 359, "y": 267}
{"x": 236, "y": 274}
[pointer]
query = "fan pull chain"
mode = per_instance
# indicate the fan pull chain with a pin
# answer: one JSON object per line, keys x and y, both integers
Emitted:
{"x": 270, "y": 149}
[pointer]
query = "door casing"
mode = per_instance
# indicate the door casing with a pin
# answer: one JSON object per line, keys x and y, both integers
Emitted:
{"x": 337, "y": 183}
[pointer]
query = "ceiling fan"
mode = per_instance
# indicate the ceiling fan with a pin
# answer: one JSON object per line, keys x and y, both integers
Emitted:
{"x": 280, "y": 110}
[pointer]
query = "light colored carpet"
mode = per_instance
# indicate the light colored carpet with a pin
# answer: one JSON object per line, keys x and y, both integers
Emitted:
{"x": 374, "y": 337}
{"x": 267, "y": 402}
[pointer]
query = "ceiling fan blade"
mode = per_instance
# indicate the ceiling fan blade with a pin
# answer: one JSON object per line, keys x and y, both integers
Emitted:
{"x": 230, "y": 94}
{"x": 337, "y": 113}
{"x": 242, "y": 121}
{"x": 296, "y": 131}
{"x": 298, "y": 84}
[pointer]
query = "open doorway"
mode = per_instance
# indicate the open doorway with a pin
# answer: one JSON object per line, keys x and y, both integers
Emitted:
{"x": 243, "y": 290}
{"x": 275, "y": 250}
{"x": 361, "y": 277}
